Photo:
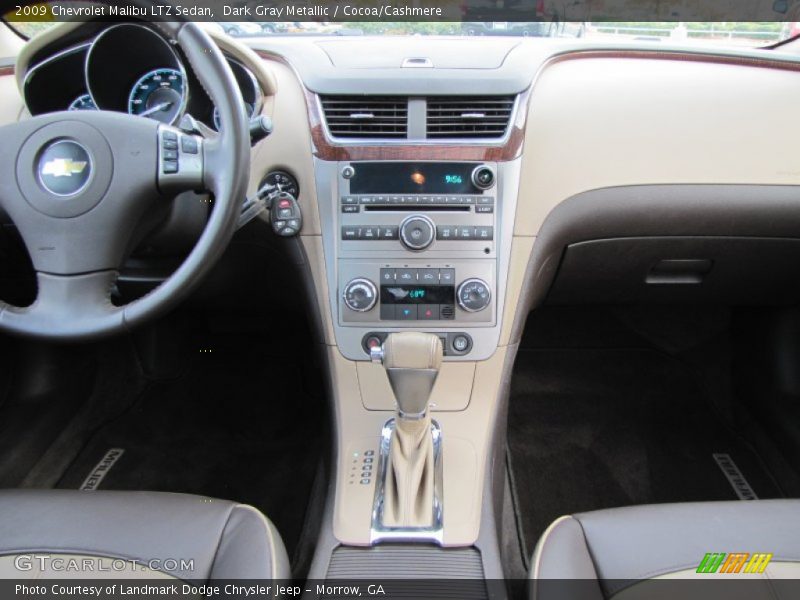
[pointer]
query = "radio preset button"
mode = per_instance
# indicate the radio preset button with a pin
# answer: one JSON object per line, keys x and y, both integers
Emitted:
{"x": 484, "y": 232}
{"x": 350, "y": 233}
{"x": 444, "y": 232}
{"x": 368, "y": 233}
{"x": 387, "y": 232}
{"x": 465, "y": 233}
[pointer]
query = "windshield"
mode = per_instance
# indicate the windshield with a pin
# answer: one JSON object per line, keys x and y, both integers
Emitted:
{"x": 719, "y": 34}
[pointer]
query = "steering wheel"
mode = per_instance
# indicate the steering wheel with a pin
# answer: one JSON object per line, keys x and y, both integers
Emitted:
{"x": 76, "y": 184}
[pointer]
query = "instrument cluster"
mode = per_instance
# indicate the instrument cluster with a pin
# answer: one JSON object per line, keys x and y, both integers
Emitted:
{"x": 130, "y": 68}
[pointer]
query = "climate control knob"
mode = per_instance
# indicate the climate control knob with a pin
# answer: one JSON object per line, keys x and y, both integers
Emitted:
{"x": 417, "y": 232}
{"x": 360, "y": 295}
{"x": 473, "y": 295}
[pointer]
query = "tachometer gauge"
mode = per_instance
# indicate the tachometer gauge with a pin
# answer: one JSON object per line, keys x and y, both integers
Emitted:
{"x": 159, "y": 94}
{"x": 82, "y": 102}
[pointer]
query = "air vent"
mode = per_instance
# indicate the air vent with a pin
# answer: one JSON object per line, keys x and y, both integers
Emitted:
{"x": 468, "y": 116}
{"x": 366, "y": 116}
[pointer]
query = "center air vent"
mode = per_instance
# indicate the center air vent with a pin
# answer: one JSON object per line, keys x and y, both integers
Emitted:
{"x": 366, "y": 116}
{"x": 468, "y": 116}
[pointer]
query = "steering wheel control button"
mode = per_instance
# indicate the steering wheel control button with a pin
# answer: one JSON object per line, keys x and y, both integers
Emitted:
{"x": 65, "y": 168}
{"x": 189, "y": 145}
{"x": 285, "y": 215}
{"x": 417, "y": 232}
{"x": 360, "y": 295}
{"x": 179, "y": 167}
{"x": 473, "y": 295}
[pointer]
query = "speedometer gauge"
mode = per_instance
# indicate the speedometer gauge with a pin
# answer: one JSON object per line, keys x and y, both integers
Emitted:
{"x": 82, "y": 102}
{"x": 159, "y": 94}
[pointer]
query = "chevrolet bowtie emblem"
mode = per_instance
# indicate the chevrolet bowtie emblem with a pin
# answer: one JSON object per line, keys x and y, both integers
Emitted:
{"x": 63, "y": 167}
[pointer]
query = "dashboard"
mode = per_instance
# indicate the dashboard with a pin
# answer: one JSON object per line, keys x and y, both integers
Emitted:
{"x": 129, "y": 68}
{"x": 396, "y": 231}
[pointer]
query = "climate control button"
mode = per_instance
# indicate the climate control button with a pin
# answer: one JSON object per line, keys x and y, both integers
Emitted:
{"x": 417, "y": 232}
{"x": 360, "y": 295}
{"x": 473, "y": 295}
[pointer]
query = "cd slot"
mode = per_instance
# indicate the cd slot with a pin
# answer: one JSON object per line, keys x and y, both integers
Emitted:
{"x": 415, "y": 208}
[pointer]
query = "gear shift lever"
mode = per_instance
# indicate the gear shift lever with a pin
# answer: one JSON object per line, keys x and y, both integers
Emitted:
{"x": 412, "y": 362}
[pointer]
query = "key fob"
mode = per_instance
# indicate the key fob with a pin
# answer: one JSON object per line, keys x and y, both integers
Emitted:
{"x": 285, "y": 215}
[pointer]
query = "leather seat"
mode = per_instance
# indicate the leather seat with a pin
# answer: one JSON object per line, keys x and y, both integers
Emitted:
{"x": 620, "y": 551}
{"x": 191, "y": 538}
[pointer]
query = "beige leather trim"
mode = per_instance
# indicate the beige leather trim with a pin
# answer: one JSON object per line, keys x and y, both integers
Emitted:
{"x": 238, "y": 51}
{"x": 12, "y": 106}
{"x": 39, "y": 41}
{"x": 600, "y": 122}
{"x": 451, "y": 391}
{"x": 412, "y": 350}
{"x": 466, "y": 436}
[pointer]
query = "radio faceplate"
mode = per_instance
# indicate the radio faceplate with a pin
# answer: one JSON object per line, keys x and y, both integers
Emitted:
{"x": 383, "y": 206}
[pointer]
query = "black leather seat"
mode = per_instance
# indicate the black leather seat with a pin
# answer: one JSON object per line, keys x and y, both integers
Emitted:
{"x": 191, "y": 538}
{"x": 619, "y": 549}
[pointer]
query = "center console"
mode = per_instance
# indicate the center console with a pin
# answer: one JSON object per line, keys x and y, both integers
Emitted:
{"x": 417, "y": 245}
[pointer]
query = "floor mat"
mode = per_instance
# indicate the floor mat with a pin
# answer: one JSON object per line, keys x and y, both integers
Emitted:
{"x": 592, "y": 429}
{"x": 240, "y": 424}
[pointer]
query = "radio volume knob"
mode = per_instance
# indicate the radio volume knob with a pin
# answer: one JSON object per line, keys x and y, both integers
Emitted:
{"x": 360, "y": 295}
{"x": 417, "y": 232}
{"x": 473, "y": 295}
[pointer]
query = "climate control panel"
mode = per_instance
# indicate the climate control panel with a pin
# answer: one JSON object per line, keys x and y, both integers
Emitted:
{"x": 387, "y": 293}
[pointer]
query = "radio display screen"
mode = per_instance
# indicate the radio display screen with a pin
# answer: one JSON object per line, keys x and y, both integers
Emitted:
{"x": 418, "y": 294}
{"x": 413, "y": 178}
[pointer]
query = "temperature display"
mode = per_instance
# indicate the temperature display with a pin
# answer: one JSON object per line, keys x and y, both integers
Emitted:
{"x": 417, "y": 294}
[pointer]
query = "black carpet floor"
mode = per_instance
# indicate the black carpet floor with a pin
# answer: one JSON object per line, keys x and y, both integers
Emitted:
{"x": 239, "y": 424}
{"x": 593, "y": 429}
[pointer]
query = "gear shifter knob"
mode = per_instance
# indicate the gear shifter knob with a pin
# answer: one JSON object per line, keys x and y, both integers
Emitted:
{"x": 412, "y": 360}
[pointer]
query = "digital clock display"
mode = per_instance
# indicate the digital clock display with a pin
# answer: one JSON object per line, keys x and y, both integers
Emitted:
{"x": 413, "y": 178}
